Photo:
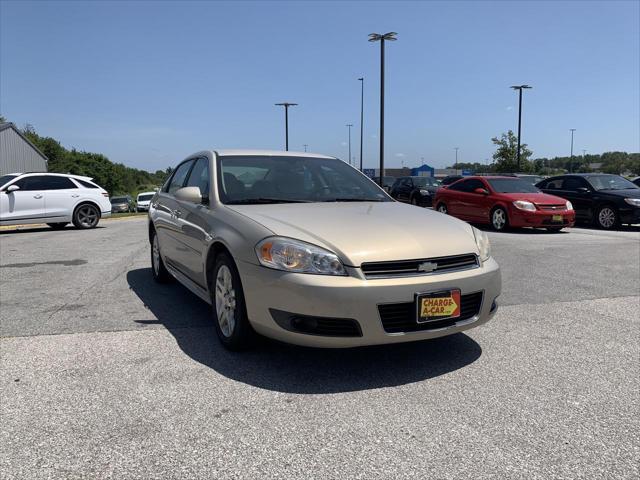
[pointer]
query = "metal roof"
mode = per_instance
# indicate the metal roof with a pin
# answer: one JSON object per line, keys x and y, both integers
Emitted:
{"x": 4, "y": 126}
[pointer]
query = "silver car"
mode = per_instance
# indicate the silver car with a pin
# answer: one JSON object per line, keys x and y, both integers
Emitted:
{"x": 305, "y": 249}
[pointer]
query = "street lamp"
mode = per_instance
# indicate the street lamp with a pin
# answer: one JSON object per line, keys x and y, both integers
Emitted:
{"x": 571, "y": 157}
{"x": 375, "y": 37}
{"x": 361, "y": 117}
{"x": 305, "y": 147}
{"x": 349, "y": 125}
{"x": 286, "y": 106}
{"x": 519, "y": 88}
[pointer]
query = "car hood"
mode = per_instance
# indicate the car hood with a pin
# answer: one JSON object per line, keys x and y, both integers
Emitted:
{"x": 367, "y": 231}
{"x": 626, "y": 193}
{"x": 537, "y": 198}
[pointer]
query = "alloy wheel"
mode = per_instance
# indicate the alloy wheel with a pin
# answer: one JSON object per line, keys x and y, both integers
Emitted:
{"x": 87, "y": 216}
{"x": 442, "y": 208}
{"x": 225, "y": 297}
{"x": 499, "y": 219}
{"x": 155, "y": 257}
{"x": 607, "y": 217}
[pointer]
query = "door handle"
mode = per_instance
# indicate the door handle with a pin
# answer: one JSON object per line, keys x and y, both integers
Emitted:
{"x": 177, "y": 213}
{"x": 75, "y": 195}
{"x": 38, "y": 196}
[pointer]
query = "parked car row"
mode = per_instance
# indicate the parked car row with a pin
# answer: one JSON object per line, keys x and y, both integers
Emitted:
{"x": 553, "y": 203}
{"x": 125, "y": 203}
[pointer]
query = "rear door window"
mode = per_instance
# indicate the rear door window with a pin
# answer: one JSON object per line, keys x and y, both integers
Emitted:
{"x": 572, "y": 184}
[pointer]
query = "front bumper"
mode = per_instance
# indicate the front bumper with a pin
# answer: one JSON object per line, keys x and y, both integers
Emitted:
{"x": 629, "y": 215}
{"x": 266, "y": 290}
{"x": 541, "y": 218}
{"x": 142, "y": 208}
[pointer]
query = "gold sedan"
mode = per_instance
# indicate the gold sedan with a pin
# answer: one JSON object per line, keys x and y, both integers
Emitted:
{"x": 305, "y": 249}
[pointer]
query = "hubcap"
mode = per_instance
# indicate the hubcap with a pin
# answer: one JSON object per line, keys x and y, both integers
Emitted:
{"x": 607, "y": 217}
{"x": 225, "y": 301}
{"x": 87, "y": 216}
{"x": 442, "y": 209}
{"x": 499, "y": 219}
{"x": 155, "y": 257}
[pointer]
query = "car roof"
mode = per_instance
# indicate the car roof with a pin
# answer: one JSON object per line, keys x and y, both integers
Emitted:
{"x": 69, "y": 175}
{"x": 146, "y": 193}
{"x": 269, "y": 153}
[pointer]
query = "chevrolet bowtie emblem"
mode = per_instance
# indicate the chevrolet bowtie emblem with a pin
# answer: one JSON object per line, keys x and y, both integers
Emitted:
{"x": 427, "y": 267}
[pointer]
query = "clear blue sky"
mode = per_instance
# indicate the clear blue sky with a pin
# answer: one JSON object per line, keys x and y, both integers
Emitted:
{"x": 148, "y": 83}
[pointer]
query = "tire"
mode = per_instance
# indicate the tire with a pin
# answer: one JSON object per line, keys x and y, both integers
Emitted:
{"x": 554, "y": 229}
{"x": 607, "y": 217}
{"x": 159, "y": 271}
{"x": 228, "y": 306}
{"x": 442, "y": 208}
{"x": 414, "y": 201}
{"x": 499, "y": 219}
{"x": 86, "y": 216}
{"x": 58, "y": 225}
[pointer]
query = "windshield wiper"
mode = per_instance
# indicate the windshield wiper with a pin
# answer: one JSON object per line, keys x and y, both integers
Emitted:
{"x": 263, "y": 200}
{"x": 354, "y": 200}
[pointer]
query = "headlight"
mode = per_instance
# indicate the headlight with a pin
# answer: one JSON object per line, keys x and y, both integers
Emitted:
{"x": 482, "y": 241}
{"x": 297, "y": 256}
{"x": 569, "y": 205}
{"x": 425, "y": 192}
{"x": 635, "y": 202}
{"x": 524, "y": 205}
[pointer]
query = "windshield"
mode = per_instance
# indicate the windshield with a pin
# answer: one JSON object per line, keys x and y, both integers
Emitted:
{"x": 533, "y": 179}
{"x": 6, "y": 178}
{"x": 512, "y": 185}
{"x": 265, "y": 179}
{"x": 144, "y": 198}
{"x": 119, "y": 200}
{"x": 610, "y": 182}
{"x": 424, "y": 181}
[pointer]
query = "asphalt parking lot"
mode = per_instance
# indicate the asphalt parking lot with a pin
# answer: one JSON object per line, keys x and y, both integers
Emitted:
{"x": 105, "y": 374}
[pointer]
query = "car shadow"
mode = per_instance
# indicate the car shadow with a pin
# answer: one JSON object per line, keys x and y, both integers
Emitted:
{"x": 286, "y": 368}
{"x": 25, "y": 230}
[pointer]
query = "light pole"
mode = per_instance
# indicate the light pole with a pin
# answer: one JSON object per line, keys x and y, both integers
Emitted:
{"x": 571, "y": 156}
{"x": 286, "y": 106}
{"x": 519, "y": 88}
{"x": 456, "y": 165}
{"x": 349, "y": 125}
{"x": 361, "y": 117}
{"x": 375, "y": 37}
{"x": 305, "y": 147}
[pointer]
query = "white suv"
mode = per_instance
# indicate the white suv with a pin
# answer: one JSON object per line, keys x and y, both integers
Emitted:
{"x": 52, "y": 198}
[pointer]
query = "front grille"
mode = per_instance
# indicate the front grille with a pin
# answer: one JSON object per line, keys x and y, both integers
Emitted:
{"x": 310, "y": 325}
{"x": 407, "y": 268}
{"x": 401, "y": 317}
{"x": 552, "y": 207}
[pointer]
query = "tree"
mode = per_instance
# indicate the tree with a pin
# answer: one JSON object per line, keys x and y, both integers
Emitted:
{"x": 506, "y": 157}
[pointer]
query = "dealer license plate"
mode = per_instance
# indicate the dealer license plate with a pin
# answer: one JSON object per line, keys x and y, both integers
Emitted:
{"x": 438, "y": 305}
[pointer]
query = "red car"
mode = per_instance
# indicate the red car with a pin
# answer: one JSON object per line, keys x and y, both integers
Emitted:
{"x": 504, "y": 202}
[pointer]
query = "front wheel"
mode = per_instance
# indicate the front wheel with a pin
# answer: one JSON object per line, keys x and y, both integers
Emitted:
{"x": 499, "y": 219}
{"x": 58, "y": 225}
{"x": 442, "y": 208}
{"x": 86, "y": 216}
{"x": 607, "y": 217}
{"x": 228, "y": 305}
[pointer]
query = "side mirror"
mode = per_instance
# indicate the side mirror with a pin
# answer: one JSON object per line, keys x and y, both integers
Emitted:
{"x": 481, "y": 191}
{"x": 12, "y": 188}
{"x": 189, "y": 194}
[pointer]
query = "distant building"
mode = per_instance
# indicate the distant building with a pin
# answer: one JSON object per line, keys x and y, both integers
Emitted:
{"x": 17, "y": 153}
